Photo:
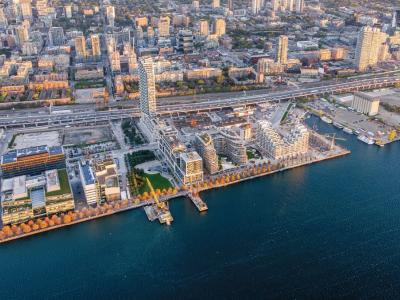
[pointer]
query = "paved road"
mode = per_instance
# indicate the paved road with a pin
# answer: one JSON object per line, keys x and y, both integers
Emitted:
{"x": 89, "y": 117}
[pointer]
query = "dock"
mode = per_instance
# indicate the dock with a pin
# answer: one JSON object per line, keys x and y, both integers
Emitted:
{"x": 163, "y": 214}
{"x": 198, "y": 202}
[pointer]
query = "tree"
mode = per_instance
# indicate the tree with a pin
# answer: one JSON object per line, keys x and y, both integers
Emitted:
{"x": 67, "y": 219}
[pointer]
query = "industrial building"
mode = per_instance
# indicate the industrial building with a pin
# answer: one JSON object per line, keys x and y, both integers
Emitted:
{"x": 366, "y": 104}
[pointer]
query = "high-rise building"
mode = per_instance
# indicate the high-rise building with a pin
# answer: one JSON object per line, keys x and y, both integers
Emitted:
{"x": 68, "y": 11}
{"x": 368, "y": 47}
{"x": 110, "y": 14}
{"x": 203, "y": 27}
{"x": 25, "y": 9}
{"x": 215, "y": 3}
{"x": 275, "y": 4}
{"x": 255, "y": 6}
{"x": 115, "y": 61}
{"x": 41, "y": 7}
{"x": 282, "y": 51}
{"x": 185, "y": 41}
{"x": 299, "y": 6}
{"x": 230, "y": 5}
{"x": 147, "y": 87}
{"x": 3, "y": 18}
{"x": 220, "y": 27}
{"x": 21, "y": 34}
{"x": 163, "y": 26}
{"x": 80, "y": 46}
{"x": 56, "y": 36}
{"x": 95, "y": 40}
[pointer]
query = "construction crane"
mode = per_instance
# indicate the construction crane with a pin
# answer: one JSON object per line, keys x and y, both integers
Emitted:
{"x": 333, "y": 137}
{"x": 160, "y": 205}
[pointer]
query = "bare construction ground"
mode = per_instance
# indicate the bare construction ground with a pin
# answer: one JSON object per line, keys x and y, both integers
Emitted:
{"x": 88, "y": 136}
{"x": 33, "y": 139}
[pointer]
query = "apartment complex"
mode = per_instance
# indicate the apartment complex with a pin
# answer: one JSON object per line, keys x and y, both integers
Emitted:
{"x": 25, "y": 197}
{"x": 282, "y": 51}
{"x": 100, "y": 181}
{"x": 147, "y": 88}
{"x": 366, "y": 104}
{"x": 32, "y": 161}
{"x": 280, "y": 147}
{"x": 231, "y": 145}
{"x": 185, "y": 165}
{"x": 205, "y": 147}
{"x": 369, "y": 45}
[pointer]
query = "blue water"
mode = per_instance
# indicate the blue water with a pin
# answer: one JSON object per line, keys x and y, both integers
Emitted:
{"x": 323, "y": 231}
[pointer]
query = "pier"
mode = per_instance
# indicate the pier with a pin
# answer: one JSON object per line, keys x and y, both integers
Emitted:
{"x": 198, "y": 202}
{"x": 163, "y": 214}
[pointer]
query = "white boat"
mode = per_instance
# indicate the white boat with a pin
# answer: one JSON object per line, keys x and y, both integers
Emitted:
{"x": 348, "y": 130}
{"x": 326, "y": 120}
{"x": 337, "y": 125}
{"x": 366, "y": 139}
{"x": 356, "y": 132}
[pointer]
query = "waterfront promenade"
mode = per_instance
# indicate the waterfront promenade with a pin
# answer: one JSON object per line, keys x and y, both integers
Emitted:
{"x": 249, "y": 173}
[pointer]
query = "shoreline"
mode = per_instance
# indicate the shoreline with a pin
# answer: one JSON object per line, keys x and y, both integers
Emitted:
{"x": 183, "y": 193}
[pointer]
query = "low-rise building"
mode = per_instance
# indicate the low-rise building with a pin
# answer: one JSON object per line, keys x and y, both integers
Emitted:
{"x": 366, "y": 104}
{"x": 26, "y": 197}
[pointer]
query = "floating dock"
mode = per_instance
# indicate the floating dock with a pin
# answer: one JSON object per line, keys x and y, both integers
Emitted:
{"x": 163, "y": 214}
{"x": 198, "y": 202}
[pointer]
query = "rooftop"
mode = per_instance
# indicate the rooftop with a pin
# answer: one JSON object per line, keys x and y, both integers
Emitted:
{"x": 13, "y": 155}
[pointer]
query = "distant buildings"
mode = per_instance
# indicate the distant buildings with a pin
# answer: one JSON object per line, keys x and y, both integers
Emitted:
{"x": 282, "y": 51}
{"x": 110, "y": 14}
{"x": 219, "y": 27}
{"x": 95, "y": 40}
{"x": 25, "y": 197}
{"x": 185, "y": 42}
{"x": 163, "y": 26}
{"x": 280, "y": 147}
{"x": 369, "y": 44}
{"x": 56, "y": 36}
{"x": 80, "y": 46}
{"x": 203, "y": 27}
{"x": 366, "y": 104}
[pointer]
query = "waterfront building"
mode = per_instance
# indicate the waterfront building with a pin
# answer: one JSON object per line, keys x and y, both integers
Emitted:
{"x": 282, "y": 51}
{"x": 31, "y": 161}
{"x": 88, "y": 183}
{"x": 163, "y": 26}
{"x": 205, "y": 147}
{"x": 25, "y": 197}
{"x": 95, "y": 40}
{"x": 230, "y": 144}
{"x": 278, "y": 146}
{"x": 56, "y": 36}
{"x": 80, "y": 46}
{"x": 147, "y": 89}
{"x": 219, "y": 27}
{"x": 365, "y": 103}
{"x": 186, "y": 166}
{"x": 369, "y": 42}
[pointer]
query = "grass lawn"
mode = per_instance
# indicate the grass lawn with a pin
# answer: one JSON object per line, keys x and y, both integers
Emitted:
{"x": 158, "y": 182}
{"x": 250, "y": 155}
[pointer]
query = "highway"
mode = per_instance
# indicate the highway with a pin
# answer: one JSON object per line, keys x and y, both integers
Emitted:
{"x": 88, "y": 116}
